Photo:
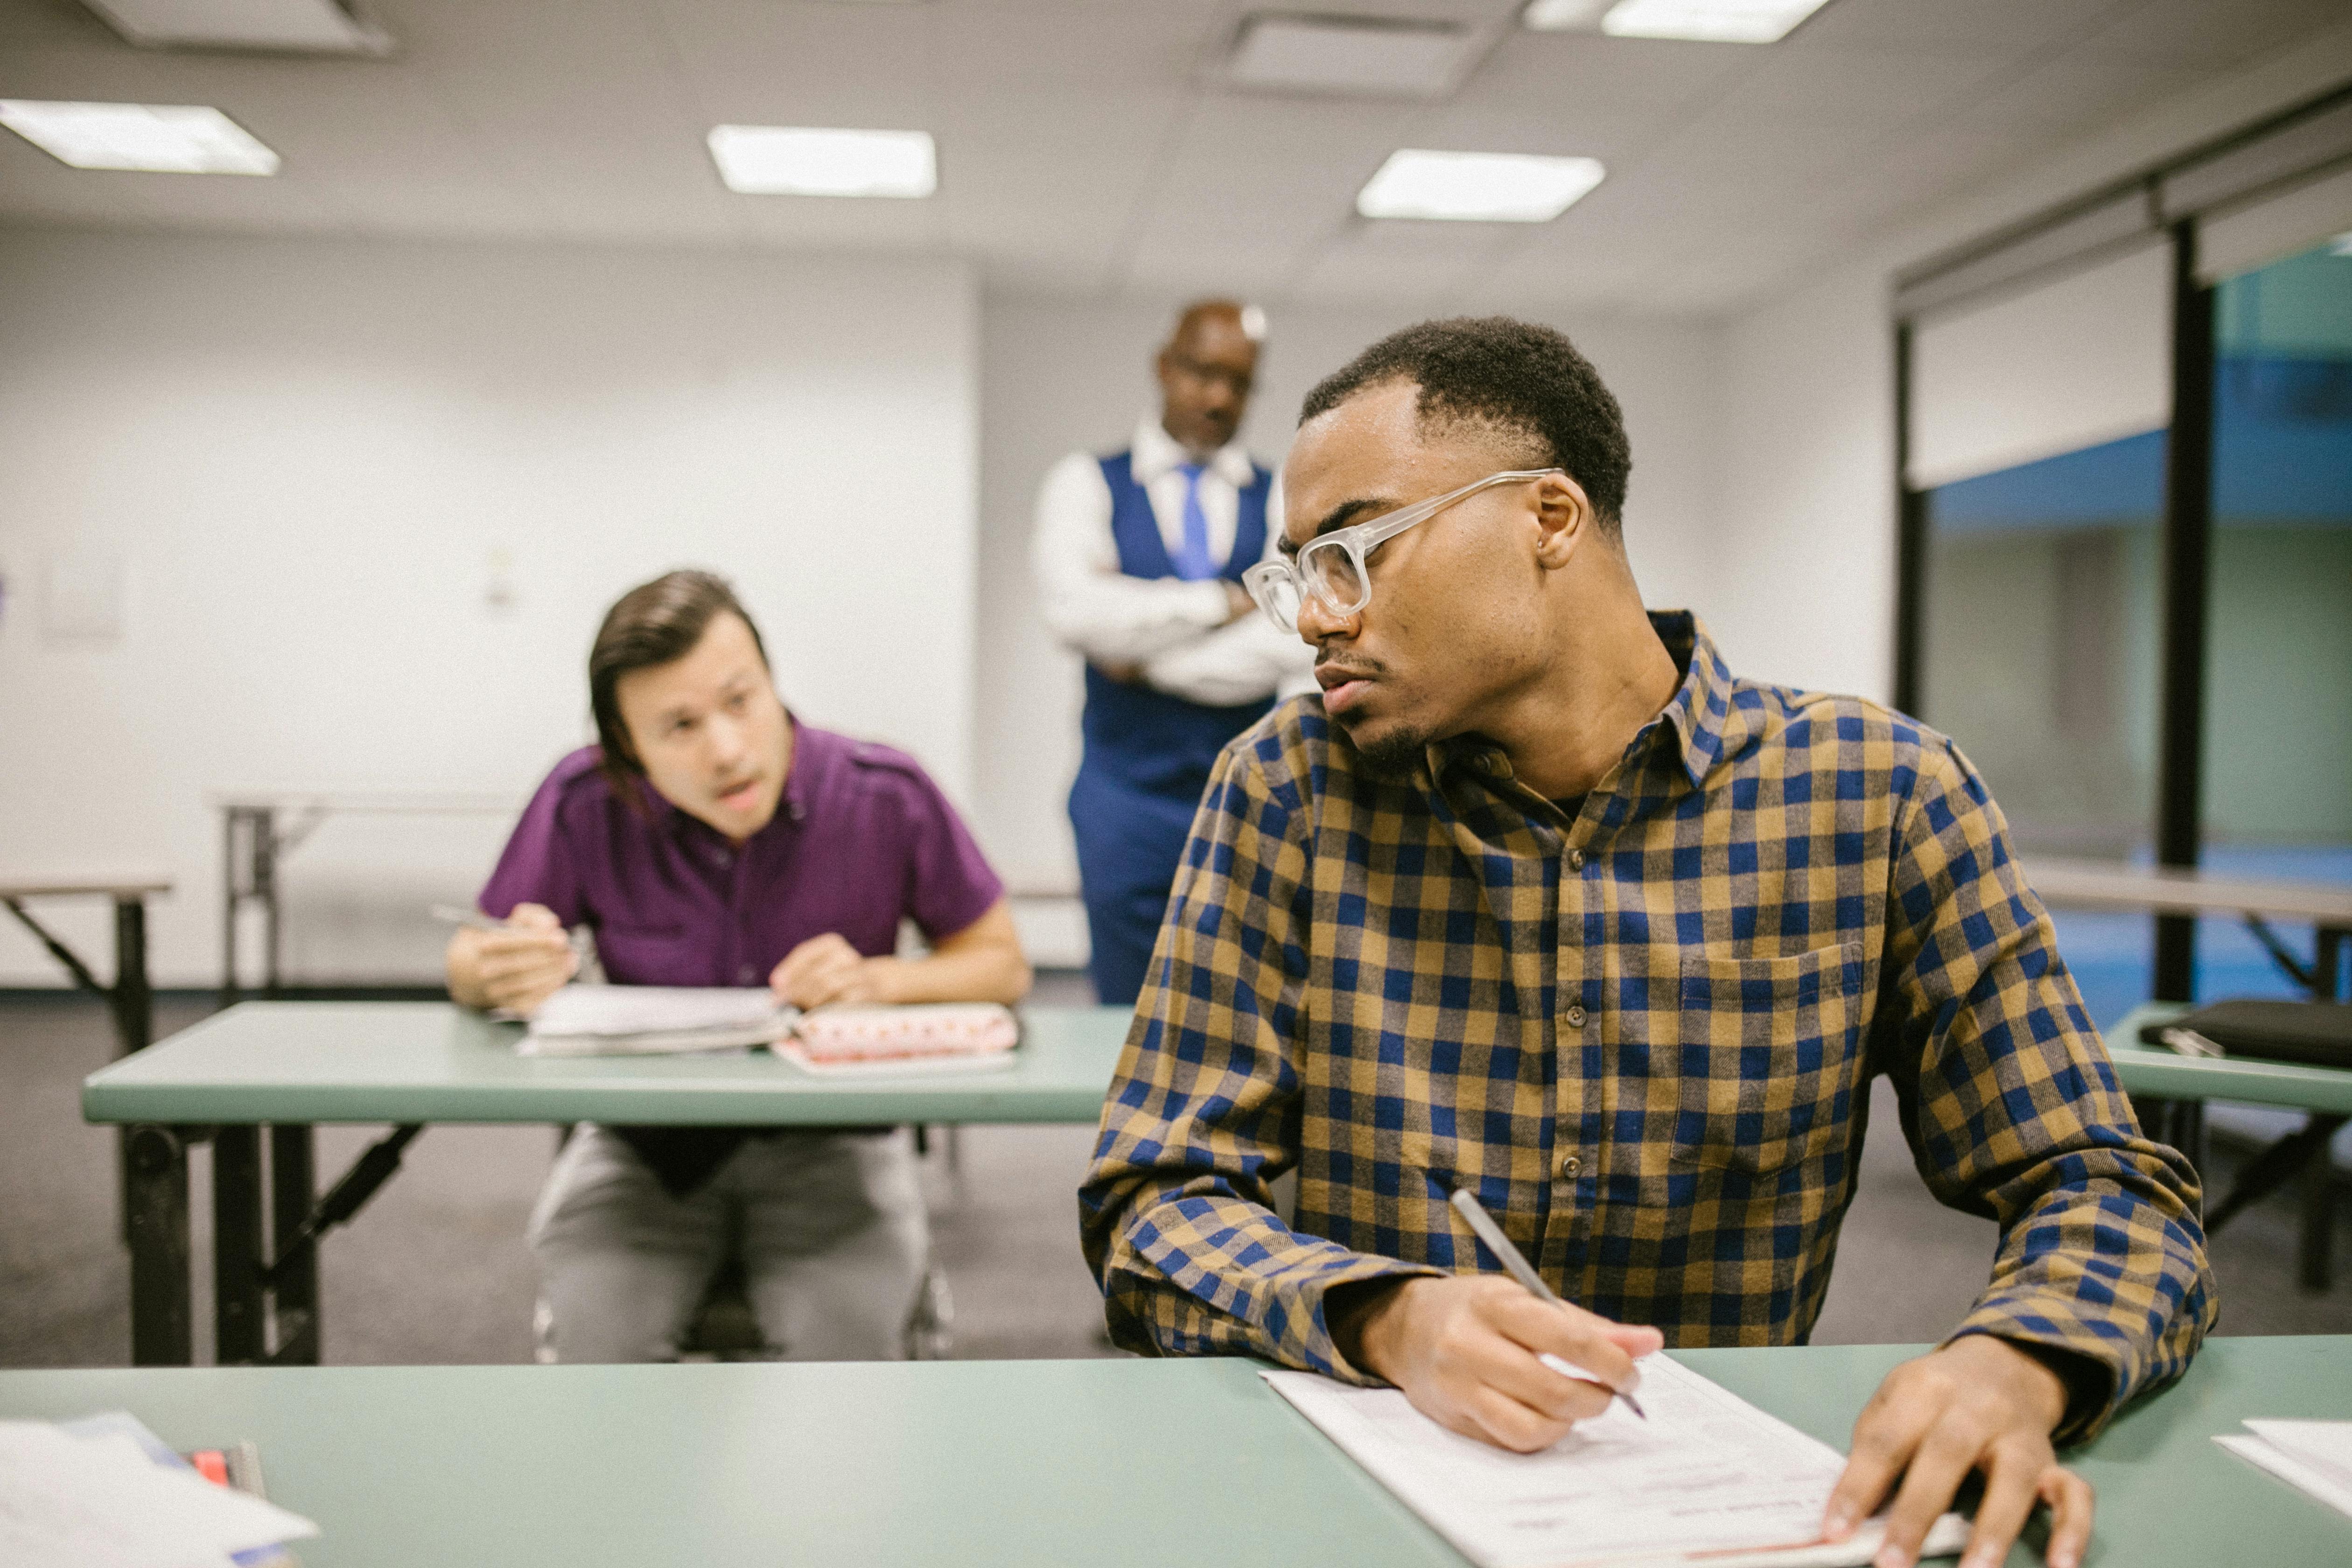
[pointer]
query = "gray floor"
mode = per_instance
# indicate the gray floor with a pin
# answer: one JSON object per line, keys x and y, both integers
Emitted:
{"x": 435, "y": 1270}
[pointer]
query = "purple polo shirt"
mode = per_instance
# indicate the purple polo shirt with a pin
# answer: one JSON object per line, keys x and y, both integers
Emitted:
{"x": 861, "y": 838}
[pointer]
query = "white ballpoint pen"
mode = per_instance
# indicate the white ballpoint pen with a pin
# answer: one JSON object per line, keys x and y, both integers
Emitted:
{"x": 1480, "y": 1221}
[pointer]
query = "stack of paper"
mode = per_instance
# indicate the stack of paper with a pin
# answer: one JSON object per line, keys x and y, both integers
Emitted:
{"x": 2314, "y": 1455}
{"x": 1707, "y": 1477}
{"x": 635, "y": 1020}
{"x": 101, "y": 1500}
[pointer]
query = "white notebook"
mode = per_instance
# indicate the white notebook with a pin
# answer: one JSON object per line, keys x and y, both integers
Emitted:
{"x": 631, "y": 1020}
{"x": 592, "y": 1020}
{"x": 1707, "y": 1477}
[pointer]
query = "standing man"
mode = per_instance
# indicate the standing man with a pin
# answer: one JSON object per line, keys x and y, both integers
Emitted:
{"x": 1540, "y": 900}
{"x": 1139, "y": 558}
{"x": 710, "y": 839}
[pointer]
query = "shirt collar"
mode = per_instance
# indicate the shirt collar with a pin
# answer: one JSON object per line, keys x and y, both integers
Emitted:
{"x": 1706, "y": 722}
{"x": 801, "y": 776}
{"x": 1156, "y": 452}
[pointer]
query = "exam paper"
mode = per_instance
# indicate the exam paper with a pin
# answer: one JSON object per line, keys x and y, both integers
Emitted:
{"x": 102, "y": 1502}
{"x": 1708, "y": 1472}
{"x": 2314, "y": 1455}
{"x": 599, "y": 1020}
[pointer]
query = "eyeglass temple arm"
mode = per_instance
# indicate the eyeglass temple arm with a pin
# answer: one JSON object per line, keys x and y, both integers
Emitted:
{"x": 1381, "y": 530}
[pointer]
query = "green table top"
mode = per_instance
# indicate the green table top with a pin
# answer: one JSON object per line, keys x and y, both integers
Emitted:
{"x": 431, "y": 1061}
{"x": 1148, "y": 1463}
{"x": 2167, "y": 1074}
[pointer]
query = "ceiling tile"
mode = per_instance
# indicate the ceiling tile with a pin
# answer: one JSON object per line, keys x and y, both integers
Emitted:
{"x": 1090, "y": 146}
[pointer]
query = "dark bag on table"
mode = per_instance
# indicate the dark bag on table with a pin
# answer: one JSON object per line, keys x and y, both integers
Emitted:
{"x": 2315, "y": 1034}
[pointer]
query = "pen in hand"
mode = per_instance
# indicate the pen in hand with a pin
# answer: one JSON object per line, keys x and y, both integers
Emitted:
{"x": 1524, "y": 1272}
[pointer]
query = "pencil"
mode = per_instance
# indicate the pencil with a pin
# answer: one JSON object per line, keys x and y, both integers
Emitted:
{"x": 1523, "y": 1271}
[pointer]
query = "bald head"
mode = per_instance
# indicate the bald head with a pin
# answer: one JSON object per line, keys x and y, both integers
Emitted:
{"x": 1206, "y": 369}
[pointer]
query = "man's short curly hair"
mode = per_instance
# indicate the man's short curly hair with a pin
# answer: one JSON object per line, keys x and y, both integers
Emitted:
{"x": 1524, "y": 382}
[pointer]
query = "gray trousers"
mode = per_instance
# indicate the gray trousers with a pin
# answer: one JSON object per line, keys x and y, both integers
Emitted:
{"x": 830, "y": 1228}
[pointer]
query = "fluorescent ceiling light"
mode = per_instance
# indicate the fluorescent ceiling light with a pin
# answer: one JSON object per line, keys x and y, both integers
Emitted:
{"x": 799, "y": 161}
{"x": 1374, "y": 55}
{"x": 1711, "y": 21}
{"x": 1563, "y": 16}
{"x": 305, "y": 27}
{"x": 166, "y": 139}
{"x": 1490, "y": 187}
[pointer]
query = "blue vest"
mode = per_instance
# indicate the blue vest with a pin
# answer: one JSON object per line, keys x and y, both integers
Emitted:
{"x": 1146, "y": 739}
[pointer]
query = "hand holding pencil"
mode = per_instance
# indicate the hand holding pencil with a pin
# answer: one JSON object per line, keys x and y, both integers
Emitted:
{"x": 1485, "y": 1355}
{"x": 515, "y": 964}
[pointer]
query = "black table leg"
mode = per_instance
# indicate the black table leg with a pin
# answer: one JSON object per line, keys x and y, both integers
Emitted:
{"x": 2189, "y": 1130}
{"x": 231, "y": 818}
{"x": 293, "y": 1182}
{"x": 241, "y": 1328}
{"x": 265, "y": 885}
{"x": 158, "y": 1206}
{"x": 2313, "y": 1248}
{"x": 133, "y": 998}
{"x": 134, "y": 1002}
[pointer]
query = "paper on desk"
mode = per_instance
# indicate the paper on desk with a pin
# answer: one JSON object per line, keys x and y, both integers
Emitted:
{"x": 1708, "y": 1472}
{"x": 2314, "y": 1455}
{"x": 598, "y": 1020}
{"x": 101, "y": 1502}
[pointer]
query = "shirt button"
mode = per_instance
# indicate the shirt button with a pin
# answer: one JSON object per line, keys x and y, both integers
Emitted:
{"x": 1576, "y": 859}
{"x": 1576, "y": 1017}
{"x": 1568, "y": 1166}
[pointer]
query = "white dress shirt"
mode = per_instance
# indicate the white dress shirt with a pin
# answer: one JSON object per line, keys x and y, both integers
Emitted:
{"x": 1177, "y": 632}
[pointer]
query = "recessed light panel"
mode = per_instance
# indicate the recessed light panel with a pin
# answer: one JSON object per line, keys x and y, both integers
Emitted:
{"x": 1371, "y": 55}
{"x": 801, "y": 161}
{"x": 1564, "y": 16}
{"x": 159, "y": 138}
{"x": 298, "y": 26}
{"x": 1710, "y": 21}
{"x": 1476, "y": 187}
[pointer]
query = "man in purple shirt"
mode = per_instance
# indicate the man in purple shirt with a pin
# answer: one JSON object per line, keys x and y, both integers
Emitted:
{"x": 712, "y": 839}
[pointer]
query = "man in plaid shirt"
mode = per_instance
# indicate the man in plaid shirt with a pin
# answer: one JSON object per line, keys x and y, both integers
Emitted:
{"x": 1540, "y": 900}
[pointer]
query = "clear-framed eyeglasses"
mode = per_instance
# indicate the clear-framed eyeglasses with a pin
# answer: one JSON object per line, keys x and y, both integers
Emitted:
{"x": 1332, "y": 567}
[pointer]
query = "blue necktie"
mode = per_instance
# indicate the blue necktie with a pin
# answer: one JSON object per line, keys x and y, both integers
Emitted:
{"x": 1191, "y": 559}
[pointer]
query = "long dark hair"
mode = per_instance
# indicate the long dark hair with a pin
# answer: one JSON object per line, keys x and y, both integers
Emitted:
{"x": 652, "y": 624}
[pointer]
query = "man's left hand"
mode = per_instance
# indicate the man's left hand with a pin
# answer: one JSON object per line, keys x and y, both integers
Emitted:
{"x": 1976, "y": 1405}
{"x": 827, "y": 969}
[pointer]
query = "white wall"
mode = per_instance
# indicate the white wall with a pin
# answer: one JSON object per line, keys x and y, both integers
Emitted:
{"x": 1805, "y": 583}
{"x": 1057, "y": 375}
{"x": 303, "y": 455}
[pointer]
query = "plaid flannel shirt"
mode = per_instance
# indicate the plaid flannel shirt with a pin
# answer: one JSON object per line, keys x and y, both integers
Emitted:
{"x": 1644, "y": 1038}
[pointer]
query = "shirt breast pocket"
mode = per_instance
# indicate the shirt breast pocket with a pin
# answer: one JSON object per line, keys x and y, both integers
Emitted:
{"x": 1766, "y": 1058}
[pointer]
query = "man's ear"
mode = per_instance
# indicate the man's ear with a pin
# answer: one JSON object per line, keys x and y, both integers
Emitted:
{"x": 1564, "y": 515}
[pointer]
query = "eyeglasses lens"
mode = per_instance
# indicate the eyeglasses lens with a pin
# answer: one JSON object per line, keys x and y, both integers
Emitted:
{"x": 1278, "y": 595}
{"x": 1333, "y": 571}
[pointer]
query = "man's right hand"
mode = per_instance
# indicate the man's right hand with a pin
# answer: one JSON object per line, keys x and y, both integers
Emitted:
{"x": 1464, "y": 1348}
{"x": 516, "y": 966}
